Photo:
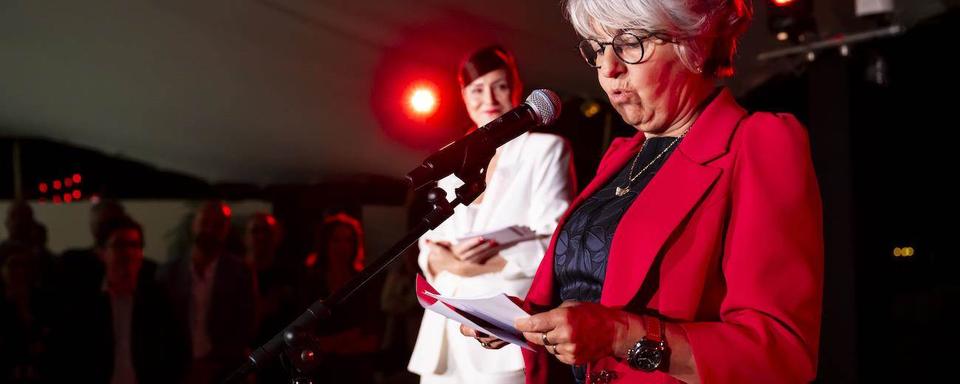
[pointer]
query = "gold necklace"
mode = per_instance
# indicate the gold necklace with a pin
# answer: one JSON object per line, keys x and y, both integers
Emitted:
{"x": 626, "y": 188}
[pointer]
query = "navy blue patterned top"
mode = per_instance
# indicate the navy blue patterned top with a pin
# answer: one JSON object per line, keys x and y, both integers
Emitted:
{"x": 580, "y": 255}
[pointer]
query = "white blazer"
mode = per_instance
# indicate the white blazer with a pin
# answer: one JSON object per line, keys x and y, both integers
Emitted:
{"x": 532, "y": 185}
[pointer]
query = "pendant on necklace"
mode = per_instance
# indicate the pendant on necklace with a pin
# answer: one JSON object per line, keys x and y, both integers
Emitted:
{"x": 622, "y": 191}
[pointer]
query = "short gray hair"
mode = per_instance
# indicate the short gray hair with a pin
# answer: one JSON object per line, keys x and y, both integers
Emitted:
{"x": 706, "y": 30}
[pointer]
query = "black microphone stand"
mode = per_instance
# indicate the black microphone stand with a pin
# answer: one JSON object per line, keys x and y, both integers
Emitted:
{"x": 297, "y": 340}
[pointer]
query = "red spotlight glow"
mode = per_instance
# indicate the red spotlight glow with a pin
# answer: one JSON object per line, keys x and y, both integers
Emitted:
{"x": 77, "y": 178}
{"x": 67, "y": 198}
{"x": 76, "y": 194}
{"x": 226, "y": 210}
{"x": 311, "y": 260}
{"x": 43, "y": 187}
{"x": 397, "y": 77}
{"x": 422, "y": 99}
{"x": 57, "y": 184}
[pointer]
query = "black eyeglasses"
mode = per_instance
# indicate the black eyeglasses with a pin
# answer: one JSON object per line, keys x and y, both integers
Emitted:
{"x": 627, "y": 45}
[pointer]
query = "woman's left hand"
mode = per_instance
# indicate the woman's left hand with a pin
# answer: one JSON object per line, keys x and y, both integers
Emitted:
{"x": 578, "y": 333}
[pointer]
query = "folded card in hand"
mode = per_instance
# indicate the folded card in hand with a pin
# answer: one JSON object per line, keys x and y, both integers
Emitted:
{"x": 492, "y": 315}
{"x": 505, "y": 236}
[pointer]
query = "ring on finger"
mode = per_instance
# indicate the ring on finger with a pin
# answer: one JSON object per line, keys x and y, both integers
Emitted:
{"x": 543, "y": 338}
{"x": 554, "y": 351}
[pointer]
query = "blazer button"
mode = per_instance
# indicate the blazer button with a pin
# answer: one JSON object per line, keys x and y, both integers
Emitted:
{"x": 603, "y": 377}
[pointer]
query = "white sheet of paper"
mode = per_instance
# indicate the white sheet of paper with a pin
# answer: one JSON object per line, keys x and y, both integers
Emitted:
{"x": 498, "y": 312}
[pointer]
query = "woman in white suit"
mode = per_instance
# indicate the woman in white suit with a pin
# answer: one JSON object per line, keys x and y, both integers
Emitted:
{"x": 530, "y": 182}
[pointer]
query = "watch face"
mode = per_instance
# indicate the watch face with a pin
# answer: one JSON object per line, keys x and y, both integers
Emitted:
{"x": 649, "y": 355}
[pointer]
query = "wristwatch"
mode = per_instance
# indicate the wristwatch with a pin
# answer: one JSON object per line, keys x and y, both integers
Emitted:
{"x": 650, "y": 353}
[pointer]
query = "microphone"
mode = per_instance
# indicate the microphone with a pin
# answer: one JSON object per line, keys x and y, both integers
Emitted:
{"x": 541, "y": 108}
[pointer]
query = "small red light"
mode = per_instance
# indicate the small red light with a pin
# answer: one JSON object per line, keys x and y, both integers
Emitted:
{"x": 56, "y": 199}
{"x": 77, "y": 178}
{"x": 68, "y": 182}
{"x": 76, "y": 194}
{"x": 57, "y": 184}
{"x": 311, "y": 260}
{"x": 271, "y": 220}
{"x": 226, "y": 210}
{"x": 67, "y": 198}
{"x": 43, "y": 187}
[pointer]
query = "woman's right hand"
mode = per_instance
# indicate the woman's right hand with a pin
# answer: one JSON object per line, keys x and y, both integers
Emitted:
{"x": 442, "y": 257}
{"x": 476, "y": 250}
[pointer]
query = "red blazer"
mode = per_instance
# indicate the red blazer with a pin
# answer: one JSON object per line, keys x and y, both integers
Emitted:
{"x": 735, "y": 212}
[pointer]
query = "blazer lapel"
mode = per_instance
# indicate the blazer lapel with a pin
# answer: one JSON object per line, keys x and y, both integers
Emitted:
{"x": 645, "y": 227}
{"x": 668, "y": 199}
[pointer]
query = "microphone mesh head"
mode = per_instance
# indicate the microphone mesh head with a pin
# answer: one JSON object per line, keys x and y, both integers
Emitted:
{"x": 545, "y": 105}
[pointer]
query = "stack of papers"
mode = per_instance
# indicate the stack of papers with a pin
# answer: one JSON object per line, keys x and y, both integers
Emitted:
{"x": 492, "y": 315}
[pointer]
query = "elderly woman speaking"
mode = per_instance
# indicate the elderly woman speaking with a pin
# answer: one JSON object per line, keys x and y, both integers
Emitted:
{"x": 696, "y": 254}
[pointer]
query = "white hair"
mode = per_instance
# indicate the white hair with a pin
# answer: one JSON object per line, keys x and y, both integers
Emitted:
{"x": 706, "y": 31}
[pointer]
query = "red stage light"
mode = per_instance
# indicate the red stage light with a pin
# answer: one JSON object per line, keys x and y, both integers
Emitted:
{"x": 311, "y": 260}
{"x": 43, "y": 187}
{"x": 76, "y": 194}
{"x": 226, "y": 210}
{"x": 67, "y": 198}
{"x": 56, "y": 199}
{"x": 68, "y": 182}
{"x": 422, "y": 99}
{"x": 57, "y": 184}
{"x": 77, "y": 178}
